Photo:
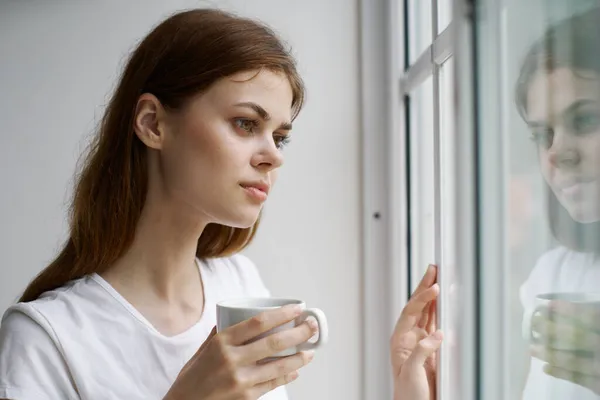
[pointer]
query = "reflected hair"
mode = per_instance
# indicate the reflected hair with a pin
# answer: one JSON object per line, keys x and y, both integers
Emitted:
{"x": 572, "y": 43}
{"x": 180, "y": 58}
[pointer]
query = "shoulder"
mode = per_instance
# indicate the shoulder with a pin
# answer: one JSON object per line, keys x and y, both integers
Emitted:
{"x": 25, "y": 328}
{"x": 26, "y": 321}
{"x": 55, "y": 311}
{"x": 238, "y": 269}
{"x": 32, "y": 364}
{"x": 550, "y": 262}
{"x": 37, "y": 317}
{"x": 72, "y": 299}
{"x": 544, "y": 273}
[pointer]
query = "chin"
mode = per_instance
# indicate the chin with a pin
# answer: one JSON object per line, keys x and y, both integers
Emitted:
{"x": 583, "y": 213}
{"x": 242, "y": 220}
{"x": 584, "y": 218}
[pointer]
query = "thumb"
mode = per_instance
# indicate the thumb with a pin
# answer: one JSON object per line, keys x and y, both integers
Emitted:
{"x": 207, "y": 340}
{"x": 211, "y": 334}
{"x": 425, "y": 348}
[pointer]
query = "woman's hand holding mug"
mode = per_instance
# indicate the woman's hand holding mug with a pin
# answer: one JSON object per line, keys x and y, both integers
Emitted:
{"x": 230, "y": 364}
{"x": 564, "y": 331}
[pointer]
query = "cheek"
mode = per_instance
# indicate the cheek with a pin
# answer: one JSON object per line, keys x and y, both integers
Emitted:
{"x": 590, "y": 151}
{"x": 545, "y": 165}
{"x": 200, "y": 142}
{"x": 188, "y": 156}
{"x": 274, "y": 176}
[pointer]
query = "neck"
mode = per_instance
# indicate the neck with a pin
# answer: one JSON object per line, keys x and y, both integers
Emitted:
{"x": 162, "y": 258}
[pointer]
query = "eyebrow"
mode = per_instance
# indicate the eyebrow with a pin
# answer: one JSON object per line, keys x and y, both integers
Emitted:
{"x": 569, "y": 110}
{"x": 263, "y": 114}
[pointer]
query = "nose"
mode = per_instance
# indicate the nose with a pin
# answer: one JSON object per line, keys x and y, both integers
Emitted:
{"x": 268, "y": 157}
{"x": 564, "y": 151}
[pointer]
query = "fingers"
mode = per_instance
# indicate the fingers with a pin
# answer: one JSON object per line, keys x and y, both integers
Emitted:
{"x": 206, "y": 342}
{"x": 275, "y": 369}
{"x": 585, "y": 315}
{"x": 266, "y": 387}
{"x": 576, "y": 362}
{"x": 424, "y": 349}
{"x": 557, "y": 329}
{"x": 278, "y": 342}
{"x": 415, "y": 308}
{"x": 432, "y": 323}
{"x": 427, "y": 280}
{"x": 413, "y": 313}
{"x": 212, "y": 333}
{"x": 246, "y": 330}
{"x": 591, "y": 382}
{"x": 424, "y": 321}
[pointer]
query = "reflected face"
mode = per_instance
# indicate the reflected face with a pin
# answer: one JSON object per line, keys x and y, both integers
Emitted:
{"x": 564, "y": 117}
{"x": 222, "y": 151}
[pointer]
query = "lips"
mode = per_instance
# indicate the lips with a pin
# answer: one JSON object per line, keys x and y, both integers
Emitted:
{"x": 261, "y": 186}
{"x": 570, "y": 183}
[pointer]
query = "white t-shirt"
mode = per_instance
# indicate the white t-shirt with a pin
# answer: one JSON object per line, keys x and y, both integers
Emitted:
{"x": 84, "y": 341}
{"x": 559, "y": 270}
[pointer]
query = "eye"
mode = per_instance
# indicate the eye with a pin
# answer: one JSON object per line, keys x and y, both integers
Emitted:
{"x": 246, "y": 124}
{"x": 585, "y": 122}
{"x": 282, "y": 140}
{"x": 543, "y": 137}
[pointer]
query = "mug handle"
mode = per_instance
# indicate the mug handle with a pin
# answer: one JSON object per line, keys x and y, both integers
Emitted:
{"x": 323, "y": 330}
{"x": 528, "y": 333}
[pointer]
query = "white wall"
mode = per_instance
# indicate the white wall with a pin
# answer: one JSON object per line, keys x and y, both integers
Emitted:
{"x": 58, "y": 62}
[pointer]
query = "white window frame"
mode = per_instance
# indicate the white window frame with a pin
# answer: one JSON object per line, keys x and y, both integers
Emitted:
{"x": 382, "y": 224}
{"x": 385, "y": 268}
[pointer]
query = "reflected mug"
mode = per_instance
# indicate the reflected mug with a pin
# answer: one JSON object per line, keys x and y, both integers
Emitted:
{"x": 565, "y": 341}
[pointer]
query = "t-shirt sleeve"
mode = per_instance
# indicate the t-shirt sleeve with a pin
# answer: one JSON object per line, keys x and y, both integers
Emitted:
{"x": 31, "y": 365}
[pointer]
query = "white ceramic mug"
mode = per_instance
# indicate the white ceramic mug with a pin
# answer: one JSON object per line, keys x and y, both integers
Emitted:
{"x": 232, "y": 312}
{"x": 542, "y": 302}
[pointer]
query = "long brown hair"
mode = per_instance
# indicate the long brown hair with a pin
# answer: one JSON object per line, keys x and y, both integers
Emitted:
{"x": 181, "y": 57}
{"x": 572, "y": 43}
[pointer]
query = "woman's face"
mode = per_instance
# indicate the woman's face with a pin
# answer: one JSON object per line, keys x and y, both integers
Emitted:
{"x": 564, "y": 117}
{"x": 219, "y": 155}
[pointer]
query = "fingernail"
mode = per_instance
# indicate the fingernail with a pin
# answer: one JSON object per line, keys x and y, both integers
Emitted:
{"x": 438, "y": 335}
{"x": 313, "y": 324}
{"x": 310, "y": 355}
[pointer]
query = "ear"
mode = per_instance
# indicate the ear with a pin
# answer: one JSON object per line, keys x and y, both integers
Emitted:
{"x": 149, "y": 122}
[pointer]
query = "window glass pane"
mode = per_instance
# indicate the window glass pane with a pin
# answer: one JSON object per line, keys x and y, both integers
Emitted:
{"x": 419, "y": 27}
{"x": 539, "y": 75}
{"x": 444, "y": 14}
{"x": 421, "y": 180}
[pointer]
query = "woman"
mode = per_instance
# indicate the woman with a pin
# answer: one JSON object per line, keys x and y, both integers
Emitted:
{"x": 558, "y": 95}
{"x": 171, "y": 191}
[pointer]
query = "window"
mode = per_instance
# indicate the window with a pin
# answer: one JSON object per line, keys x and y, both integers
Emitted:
{"x": 419, "y": 23}
{"x": 537, "y": 238}
{"x": 421, "y": 179}
{"x": 427, "y": 84}
{"x": 510, "y": 221}
{"x": 429, "y": 121}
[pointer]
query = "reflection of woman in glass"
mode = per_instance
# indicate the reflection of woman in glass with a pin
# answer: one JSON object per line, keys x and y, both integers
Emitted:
{"x": 558, "y": 95}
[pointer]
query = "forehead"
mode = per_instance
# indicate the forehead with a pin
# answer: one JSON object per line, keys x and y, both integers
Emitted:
{"x": 552, "y": 92}
{"x": 270, "y": 90}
